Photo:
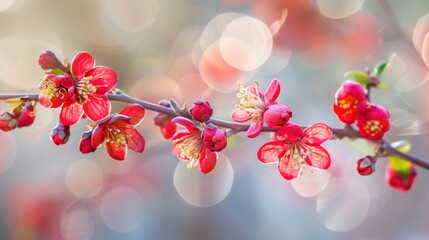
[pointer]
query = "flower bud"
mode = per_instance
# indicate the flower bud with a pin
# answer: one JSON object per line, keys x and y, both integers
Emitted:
{"x": 214, "y": 138}
{"x": 8, "y": 121}
{"x": 163, "y": 121}
{"x": 60, "y": 134}
{"x": 201, "y": 111}
{"x": 277, "y": 115}
{"x": 48, "y": 61}
{"x": 366, "y": 166}
{"x": 85, "y": 145}
{"x": 27, "y": 115}
{"x": 402, "y": 181}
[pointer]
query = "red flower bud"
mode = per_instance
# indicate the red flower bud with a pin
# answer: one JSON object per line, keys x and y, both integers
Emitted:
{"x": 214, "y": 138}
{"x": 350, "y": 101}
{"x": 201, "y": 111}
{"x": 168, "y": 128}
{"x": 85, "y": 145}
{"x": 399, "y": 180}
{"x": 277, "y": 115}
{"x": 374, "y": 122}
{"x": 366, "y": 166}
{"x": 48, "y": 61}
{"x": 27, "y": 115}
{"x": 60, "y": 134}
{"x": 8, "y": 121}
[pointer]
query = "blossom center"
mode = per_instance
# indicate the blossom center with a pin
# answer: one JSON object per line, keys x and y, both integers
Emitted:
{"x": 50, "y": 90}
{"x": 190, "y": 148}
{"x": 373, "y": 127}
{"x": 116, "y": 136}
{"x": 250, "y": 101}
{"x": 85, "y": 88}
{"x": 348, "y": 103}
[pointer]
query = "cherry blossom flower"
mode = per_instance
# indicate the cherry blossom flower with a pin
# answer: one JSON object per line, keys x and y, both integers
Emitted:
{"x": 188, "y": 145}
{"x": 55, "y": 90}
{"x": 374, "y": 123}
{"x": 253, "y": 105}
{"x": 293, "y": 148}
{"x": 350, "y": 101}
{"x": 119, "y": 133}
{"x": 402, "y": 181}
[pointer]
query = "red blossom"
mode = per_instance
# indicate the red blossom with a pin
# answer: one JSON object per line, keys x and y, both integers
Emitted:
{"x": 188, "y": 145}
{"x": 294, "y": 148}
{"x": 85, "y": 145}
{"x": 402, "y": 181}
{"x": 21, "y": 114}
{"x": 60, "y": 134}
{"x": 214, "y": 138}
{"x": 119, "y": 133}
{"x": 201, "y": 111}
{"x": 253, "y": 105}
{"x": 277, "y": 115}
{"x": 163, "y": 121}
{"x": 350, "y": 101}
{"x": 365, "y": 166}
{"x": 374, "y": 123}
{"x": 8, "y": 121}
{"x": 48, "y": 61}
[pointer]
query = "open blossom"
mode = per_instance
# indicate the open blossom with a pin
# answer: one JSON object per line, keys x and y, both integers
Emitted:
{"x": 188, "y": 145}
{"x": 374, "y": 123}
{"x": 402, "y": 181}
{"x": 55, "y": 90}
{"x": 119, "y": 133}
{"x": 92, "y": 84}
{"x": 293, "y": 148}
{"x": 350, "y": 101}
{"x": 253, "y": 105}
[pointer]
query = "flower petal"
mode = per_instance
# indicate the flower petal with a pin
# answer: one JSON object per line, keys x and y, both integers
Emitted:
{"x": 255, "y": 129}
{"x": 186, "y": 123}
{"x": 168, "y": 130}
{"x": 96, "y": 107}
{"x": 272, "y": 151}
{"x": 272, "y": 92}
{"x": 98, "y": 136}
{"x": 117, "y": 151}
{"x": 289, "y": 168}
{"x": 207, "y": 161}
{"x": 289, "y": 132}
{"x": 135, "y": 141}
{"x": 50, "y": 103}
{"x": 180, "y": 136}
{"x": 317, "y": 134}
{"x": 240, "y": 116}
{"x": 71, "y": 113}
{"x": 104, "y": 78}
{"x": 81, "y": 63}
{"x": 135, "y": 111}
{"x": 318, "y": 157}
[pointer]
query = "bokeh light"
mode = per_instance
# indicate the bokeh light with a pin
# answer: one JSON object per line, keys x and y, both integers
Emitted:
{"x": 77, "y": 225}
{"x": 339, "y": 9}
{"x": 84, "y": 178}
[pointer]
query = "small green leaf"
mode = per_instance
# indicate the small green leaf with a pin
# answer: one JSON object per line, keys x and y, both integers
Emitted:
{"x": 400, "y": 165}
{"x": 56, "y": 71}
{"x": 379, "y": 68}
{"x": 359, "y": 76}
{"x": 384, "y": 86}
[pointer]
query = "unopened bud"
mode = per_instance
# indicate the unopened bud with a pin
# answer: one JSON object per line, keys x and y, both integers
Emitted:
{"x": 201, "y": 111}
{"x": 214, "y": 138}
{"x": 85, "y": 143}
{"x": 277, "y": 115}
{"x": 48, "y": 61}
{"x": 366, "y": 166}
{"x": 8, "y": 121}
{"x": 60, "y": 134}
{"x": 27, "y": 115}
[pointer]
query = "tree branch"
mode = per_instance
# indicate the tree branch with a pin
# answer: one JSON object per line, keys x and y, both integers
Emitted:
{"x": 338, "y": 133}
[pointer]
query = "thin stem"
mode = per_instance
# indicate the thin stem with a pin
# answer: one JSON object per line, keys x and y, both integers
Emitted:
{"x": 338, "y": 133}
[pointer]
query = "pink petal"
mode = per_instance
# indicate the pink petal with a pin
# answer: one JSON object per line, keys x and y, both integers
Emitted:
{"x": 186, "y": 123}
{"x": 272, "y": 151}
{"x": 207, "y": 161}
{"x": 71, "y": 113}
{"x": 116, "y": 118}
{"x": 180, "y": 136}
{"x": 255, "y": 129}
{"x": 168, "y": 130}
{"x": 50, "y": 103}
{"x": 289, "y": 132}
{"x": 240, "y": 116}
{"x": 135, "y": 111}
{"x": 136, "y": 141}
{"x": 289, "y": 168}
{"x": 317, "y": 134}
{"x": 117, "y": 151}
{"x": 272, "y": 92}
{"x": 98, "y": 136}
{"x": 104, "y": 78}
{"x": 96, "y": 107}
{"x": 81, "y": 63}
{"x": 319, "y": 157}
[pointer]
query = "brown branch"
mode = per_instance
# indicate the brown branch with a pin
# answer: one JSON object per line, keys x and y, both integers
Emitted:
{"x": 338, "y": 133}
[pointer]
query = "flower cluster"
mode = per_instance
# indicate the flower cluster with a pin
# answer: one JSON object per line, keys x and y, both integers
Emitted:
{"x": 351, "y": 105}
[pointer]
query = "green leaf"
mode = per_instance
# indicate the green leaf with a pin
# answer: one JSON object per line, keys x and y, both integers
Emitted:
{"x": 361, "y": 146}
{"x": 400, "y": 165}
{"x": 359, "y": 76}
{"x": 379, "y": 68}
{"x": 384, "y": 86}
{"x": 56, "y": 71}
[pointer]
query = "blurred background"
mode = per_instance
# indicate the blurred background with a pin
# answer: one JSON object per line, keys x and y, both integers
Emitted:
{"x": 194, "y": 49}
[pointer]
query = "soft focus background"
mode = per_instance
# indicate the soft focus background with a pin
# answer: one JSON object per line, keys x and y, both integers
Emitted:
{"x": 193, "y": 49}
